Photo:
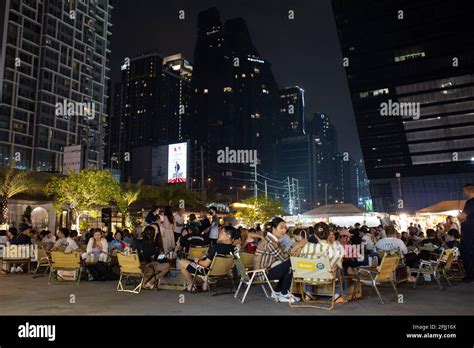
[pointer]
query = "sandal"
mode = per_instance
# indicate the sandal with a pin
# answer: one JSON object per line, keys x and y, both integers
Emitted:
{"x": 147, "y": 286}
{"x": 192, "y": 291}
{"x": 308, "y": 297}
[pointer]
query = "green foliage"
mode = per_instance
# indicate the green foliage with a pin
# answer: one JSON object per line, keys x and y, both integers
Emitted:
{"x": 259, "y": 210}
{"x": 170, "y": 195}
{"x": 12, "y": 182}
{"x": 85, "y": 190}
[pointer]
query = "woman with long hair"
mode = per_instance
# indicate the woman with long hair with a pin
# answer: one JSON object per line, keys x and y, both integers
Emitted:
{"x": 167, "y": 229}
{"x": 151, "y": 246}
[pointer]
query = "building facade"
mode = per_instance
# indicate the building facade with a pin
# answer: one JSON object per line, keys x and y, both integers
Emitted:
{"x": 54, "y": 78}
{"x": 412, "y": 87}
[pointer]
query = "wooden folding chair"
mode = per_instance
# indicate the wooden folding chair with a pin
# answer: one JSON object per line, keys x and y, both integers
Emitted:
{"x": 129, "y": 268}
{"x": 317, "y": 272}
{"x": 384, "y": 273}
{"x": 248, "y": 277}
{"x": 220, "y": 268}
{"x": 68, "y": 262}
{"x": 437, "y": 269}
{"x": 42, "y": 260}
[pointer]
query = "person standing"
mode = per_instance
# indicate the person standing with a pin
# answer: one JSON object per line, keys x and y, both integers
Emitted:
{"x": 214, "y": 231}
{"x": 205, "y": 224}
{"x": 152, "y": 215}
{"x": 178, "y": 223}
{"x": 167, "y": 226}
{"x": 467, "y": 233}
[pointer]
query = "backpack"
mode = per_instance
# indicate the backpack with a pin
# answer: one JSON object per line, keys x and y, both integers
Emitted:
{"x": 102, "y": 271}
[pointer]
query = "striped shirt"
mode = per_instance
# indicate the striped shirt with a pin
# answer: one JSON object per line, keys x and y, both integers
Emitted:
{"x": 268, "y": 252}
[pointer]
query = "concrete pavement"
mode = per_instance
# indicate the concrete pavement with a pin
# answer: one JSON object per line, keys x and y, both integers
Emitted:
{"x": 23, "y": 295}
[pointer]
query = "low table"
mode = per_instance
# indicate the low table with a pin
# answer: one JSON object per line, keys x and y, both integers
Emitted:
{"x": 20, "y": 261}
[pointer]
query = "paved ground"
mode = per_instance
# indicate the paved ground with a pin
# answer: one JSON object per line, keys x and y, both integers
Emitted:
{"x": 22, "y": 295}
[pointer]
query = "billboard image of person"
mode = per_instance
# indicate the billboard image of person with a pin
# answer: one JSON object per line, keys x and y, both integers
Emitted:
{"x": 177, "y": 163}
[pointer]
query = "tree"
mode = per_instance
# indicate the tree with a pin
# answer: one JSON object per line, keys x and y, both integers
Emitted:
{"x": 129, "y": 195}
{"x": 259, "y": 210}
{"x": 12, "y": 182}
{"x": 83, "y": 191}
{"x": 173, "y": 195}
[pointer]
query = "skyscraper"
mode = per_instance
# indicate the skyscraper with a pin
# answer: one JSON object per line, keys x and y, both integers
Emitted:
{"x": 235, "y": 99}
{"x": 292, "y": 119}
{"x": 154, "y": 104}
{"x": 53, "y": 53}
{"x": 412, "y": 91}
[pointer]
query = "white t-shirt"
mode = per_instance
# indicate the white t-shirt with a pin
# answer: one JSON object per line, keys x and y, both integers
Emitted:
{"x": 367, "y": 241}
{"x": 390, "y": 243}
{"x": 214, "y": 228}
{"x": 3, "y": 239}
{"x": 178, "y": 220}
{"x": 71, "y": 245}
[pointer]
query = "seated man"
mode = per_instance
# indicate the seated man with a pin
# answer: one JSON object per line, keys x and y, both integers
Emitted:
{"x": 391, "y": 242}
{"x": 62, "y": 243}
{"x": 193, "y": 238}
{"x": 224, "y": 246}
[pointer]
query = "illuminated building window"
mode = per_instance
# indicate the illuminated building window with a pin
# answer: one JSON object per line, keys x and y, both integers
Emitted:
{"x": 206, "y": 91}
{"x": 227, "y": 89}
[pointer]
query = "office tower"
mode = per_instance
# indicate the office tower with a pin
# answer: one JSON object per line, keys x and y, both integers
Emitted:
{"x": 292, "y": 119}
{"x": 176, "y": 94}
{"x": 53, "y": 54}
{"x": 154, "y": 105}
{"x": 235, "y": 99}
{"x": 409, "y": 67}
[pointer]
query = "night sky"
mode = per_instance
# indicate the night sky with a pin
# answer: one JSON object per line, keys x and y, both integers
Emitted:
{"x": 303, "y": 52}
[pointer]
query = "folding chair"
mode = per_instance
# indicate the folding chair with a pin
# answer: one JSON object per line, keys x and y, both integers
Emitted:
{"x": 384, "y": 273}
{"x": 68, "y": 262}
{"x": 247, "y": 259}
{"x": 42, "y": 260}
{"x": 247, "y": 277}
{"x": 457, "y": 267}
{"x": 316, "y": 272}
{"x": 196, "y": 252}
{"x": 220, "y": 268}
{"x": 130, "y": 268}
{"x": 437, "y": 269}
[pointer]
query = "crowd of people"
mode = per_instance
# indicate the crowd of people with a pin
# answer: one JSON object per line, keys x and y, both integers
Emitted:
{"x": 166, "y": 235}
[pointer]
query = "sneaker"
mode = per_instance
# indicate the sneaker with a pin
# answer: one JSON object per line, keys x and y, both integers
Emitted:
{"x": 287, "y": 298}
{"x": 19, "y": 270}
{"x": 13, "y": 270}
{"x": 274, "y": 295}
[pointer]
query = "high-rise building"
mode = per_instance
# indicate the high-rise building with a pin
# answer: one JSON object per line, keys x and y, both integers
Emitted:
{"x": 176, "y": 94}
{"x": 292, "y": 119}
{"x": 235, "y": 99}
{"x": 154, "y": 104}
{"x": 295, "y": 160}
{"x": 409, "y": 67}
{"x": 336, "y": 177}
{"x": 53, "y": 54}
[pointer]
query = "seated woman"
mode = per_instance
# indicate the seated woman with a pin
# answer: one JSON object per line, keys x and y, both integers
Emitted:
{"x": 149, "y": 247}
{"x": 328, "y": 246}
{"x": 97, "y": 247}
{"x": 271, "y": 256}
{"x": 117, "y": 244}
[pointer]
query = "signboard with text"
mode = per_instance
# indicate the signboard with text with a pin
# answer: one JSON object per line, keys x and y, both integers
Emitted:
{"x": 72, "y": 159}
